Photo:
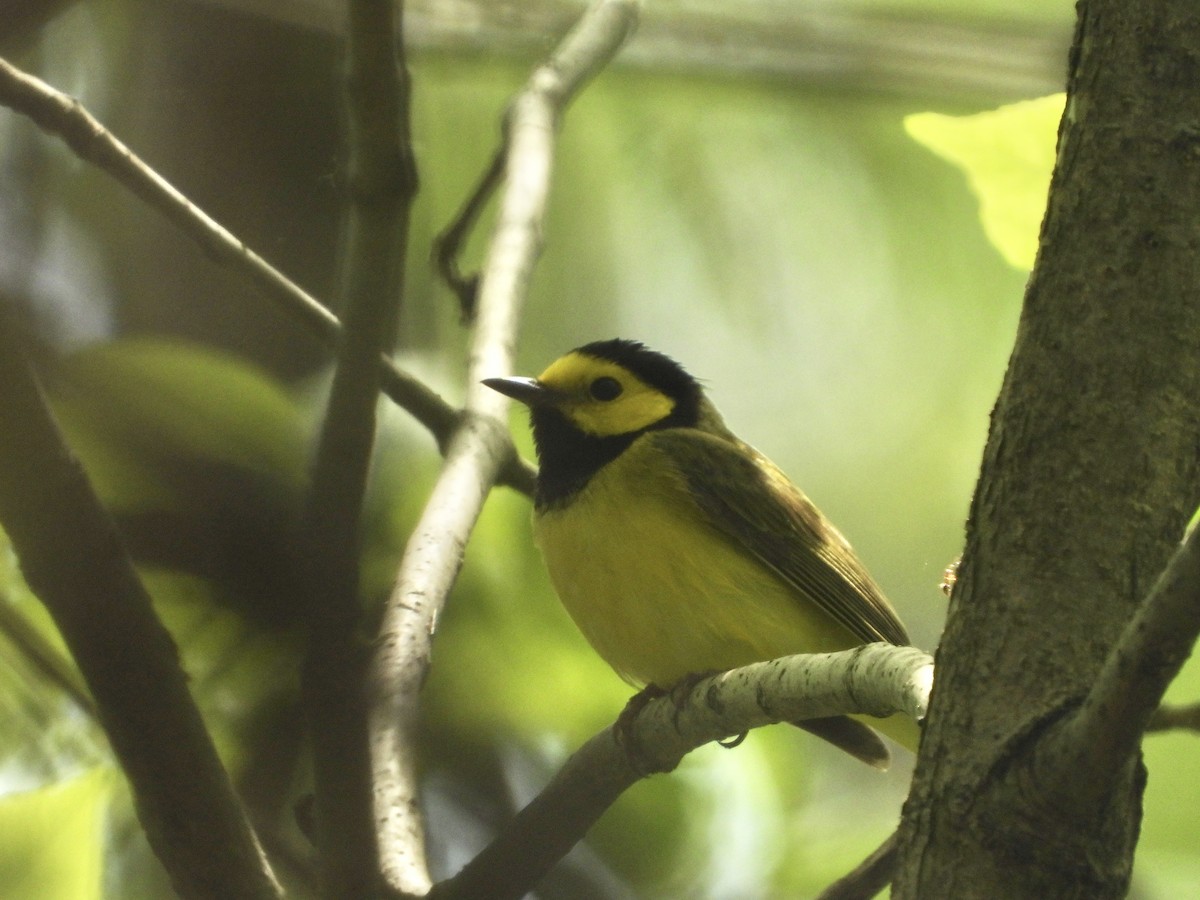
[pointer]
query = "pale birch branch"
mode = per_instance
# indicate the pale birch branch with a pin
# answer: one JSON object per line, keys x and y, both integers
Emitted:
{"x": 476, "y": 450}
{"x": 874, "y": 679}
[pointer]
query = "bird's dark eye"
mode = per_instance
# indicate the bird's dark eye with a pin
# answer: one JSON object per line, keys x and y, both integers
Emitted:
{"x": 605, "y": 388}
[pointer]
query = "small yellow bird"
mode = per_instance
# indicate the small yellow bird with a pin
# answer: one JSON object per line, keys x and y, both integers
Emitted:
{"x": 678, "y": 548}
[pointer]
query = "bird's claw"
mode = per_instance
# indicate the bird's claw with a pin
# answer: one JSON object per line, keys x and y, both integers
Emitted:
{"x": 642, "y": 761}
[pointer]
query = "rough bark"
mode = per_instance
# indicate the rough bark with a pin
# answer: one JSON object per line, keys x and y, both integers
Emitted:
{"x": 1090, "y": 473}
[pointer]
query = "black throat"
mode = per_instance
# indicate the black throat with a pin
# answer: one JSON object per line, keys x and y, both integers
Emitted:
{"x": 567, "y": 457}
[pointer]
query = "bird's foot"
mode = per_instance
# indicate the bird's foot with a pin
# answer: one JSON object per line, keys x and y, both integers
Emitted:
{"x": 683, "y": 689}
{"x": 679, "y": 693}
{"x": 623, "y": 731}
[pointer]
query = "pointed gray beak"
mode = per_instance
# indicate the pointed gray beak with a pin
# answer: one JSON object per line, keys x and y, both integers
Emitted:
{"x": 529, "y": 391}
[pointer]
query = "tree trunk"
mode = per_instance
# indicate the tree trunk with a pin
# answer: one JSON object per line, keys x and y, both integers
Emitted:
{"x": 1090, "y": 473}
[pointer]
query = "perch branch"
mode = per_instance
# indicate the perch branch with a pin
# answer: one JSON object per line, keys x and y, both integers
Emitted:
{"x": 73, "y": 560}
{"x": 876, "y": 679}
{"x": 477, "y": 449}
{"x": 61, "y": 115}
{"x": 381, "y": 183}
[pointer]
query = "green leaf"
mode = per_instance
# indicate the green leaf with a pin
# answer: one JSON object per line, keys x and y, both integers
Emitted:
{"x": 1007, "y": 155}
{"x": 130, "y": 407}
{"x": 52, "y": 839}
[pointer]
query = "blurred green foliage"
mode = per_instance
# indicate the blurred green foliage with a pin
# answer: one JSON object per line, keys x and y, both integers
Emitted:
{"x": 825, "y": 274}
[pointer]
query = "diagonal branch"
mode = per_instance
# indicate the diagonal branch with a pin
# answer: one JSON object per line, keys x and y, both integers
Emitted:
{"x": 58, "y": 114}
{"x": 63, "y": 116}
{"x": 875, "y": 679}
{"x": 476, "y": 450}
{"x": 74, "y": 562}
{"x": 1106, "y": 730}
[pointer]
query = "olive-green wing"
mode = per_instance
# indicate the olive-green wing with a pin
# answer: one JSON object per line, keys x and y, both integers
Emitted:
{"x": 745, "y": 496}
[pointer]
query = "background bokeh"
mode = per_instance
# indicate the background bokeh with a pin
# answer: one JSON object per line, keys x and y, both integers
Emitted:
{"x": 753, "y": 207}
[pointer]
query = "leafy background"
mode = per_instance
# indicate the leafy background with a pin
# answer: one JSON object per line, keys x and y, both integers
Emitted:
{"x": 801, "y": 244}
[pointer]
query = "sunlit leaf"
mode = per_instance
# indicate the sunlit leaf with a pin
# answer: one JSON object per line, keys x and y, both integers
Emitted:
{"x": 52, "y": 839}
{"x": 1007, "y": 155}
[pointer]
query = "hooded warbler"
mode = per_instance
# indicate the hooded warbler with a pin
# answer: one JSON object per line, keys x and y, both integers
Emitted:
{"x": 678, "y": 548}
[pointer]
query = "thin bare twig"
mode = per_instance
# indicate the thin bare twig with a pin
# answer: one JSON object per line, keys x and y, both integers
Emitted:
{"x": 1168, "y": 718}
{"x": 476, "y": 451}
{"x": 73, "y": 560}
{"x": 381, "y": 184}
{"x": 576, "y": 60}
{"x": 876, "y": 679}
{"x": 61, "y": 115}
{"x": 448, "y": 245}
{"x": 870, "y": 877}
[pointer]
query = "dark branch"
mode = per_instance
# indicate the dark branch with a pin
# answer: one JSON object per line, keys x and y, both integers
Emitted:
{"x": 381, "y": 184}
{"x": 73, "y": 560}
{"x": 1168, "y": 718}
{"x": 449, "y": 244}
{"x": 1126, "y": 694}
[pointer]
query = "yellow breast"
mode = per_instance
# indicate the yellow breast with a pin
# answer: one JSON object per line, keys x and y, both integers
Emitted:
{"x": 658, "y": 592}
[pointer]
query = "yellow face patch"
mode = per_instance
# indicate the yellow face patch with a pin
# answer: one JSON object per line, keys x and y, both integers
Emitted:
{"x": 596, "y": 405}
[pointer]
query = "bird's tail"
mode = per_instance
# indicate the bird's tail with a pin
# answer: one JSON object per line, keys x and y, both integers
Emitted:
{"x": 858, "y": 736}
{"x": 901, "y": 728}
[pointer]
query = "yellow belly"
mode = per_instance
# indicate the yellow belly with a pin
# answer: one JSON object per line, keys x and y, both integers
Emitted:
{"x": 658, "y": 593}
